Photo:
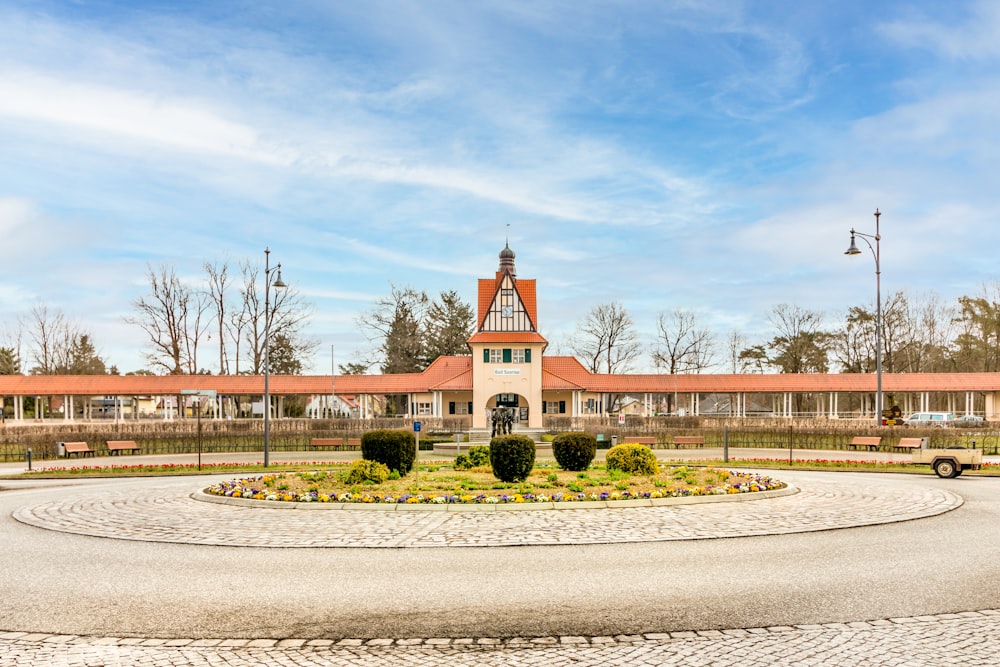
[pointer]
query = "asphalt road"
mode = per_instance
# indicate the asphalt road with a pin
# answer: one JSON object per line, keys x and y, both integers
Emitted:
{"x": 53, "y": 582}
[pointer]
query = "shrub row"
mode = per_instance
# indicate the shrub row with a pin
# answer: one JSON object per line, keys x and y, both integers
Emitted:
{"x": 574, "y": 451}
{"x": 397, "y": 450}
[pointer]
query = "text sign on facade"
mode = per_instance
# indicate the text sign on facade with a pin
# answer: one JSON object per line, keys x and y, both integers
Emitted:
{"x": 506, "y": 371}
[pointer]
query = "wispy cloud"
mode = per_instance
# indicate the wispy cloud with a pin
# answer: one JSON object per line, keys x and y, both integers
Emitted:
{"x": 973, "y": 36}
{"x": 705, "y": 155}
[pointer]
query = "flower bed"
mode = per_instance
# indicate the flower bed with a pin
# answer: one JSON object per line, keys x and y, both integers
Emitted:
{"x": 269, "y": 487}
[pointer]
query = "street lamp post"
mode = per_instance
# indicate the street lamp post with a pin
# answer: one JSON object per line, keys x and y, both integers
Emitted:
{"x": 278, "y": 283}
{"x": 853, "y": 250}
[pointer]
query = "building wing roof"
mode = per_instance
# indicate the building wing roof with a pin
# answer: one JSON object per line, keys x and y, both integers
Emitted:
{"x": 507, "y": 337}
{"x": 455, "y": 374}
{"x": 560, "y": 373}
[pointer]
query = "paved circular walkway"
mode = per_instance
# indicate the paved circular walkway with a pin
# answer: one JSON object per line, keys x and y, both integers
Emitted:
{"x": 170, "y": 515}
{"x": 159, "y": 512}
{"x": 965, "y": 639}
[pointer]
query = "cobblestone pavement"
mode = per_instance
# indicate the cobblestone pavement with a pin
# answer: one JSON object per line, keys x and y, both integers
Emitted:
{"x": 967, "y": 639}
{"x": 172, "y": 515}
{"x": 168, "y": 513}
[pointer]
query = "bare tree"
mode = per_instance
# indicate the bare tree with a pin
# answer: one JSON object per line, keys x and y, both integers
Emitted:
{"x": 285, "y": 319}
{"x": 52, "y": 336}
{"x": 736, "y": 342}
{"x": 61, "y": 347}
{"x": 606, "y": 340}
{"x": 682, "y": 345}
{"x": 164, "y": 315}
{"x": 936, "y": 327}
{"x": 218, "y": 284}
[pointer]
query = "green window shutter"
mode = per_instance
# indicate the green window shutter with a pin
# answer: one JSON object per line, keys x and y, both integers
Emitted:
{"x": 470, "y": 407}
{"x": 486, "y": 356}
{"x": 543, "y": 407}
{"x": 506, "y": 355}
{"x": 451, "y": 407}
{"x": 527, "y": 356}
{"x": 562, "y": 407}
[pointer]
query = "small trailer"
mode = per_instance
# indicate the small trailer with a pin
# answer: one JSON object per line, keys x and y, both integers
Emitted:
{"x": 950, "y": 462}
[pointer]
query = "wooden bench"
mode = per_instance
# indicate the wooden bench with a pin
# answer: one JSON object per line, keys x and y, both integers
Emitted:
{"x": 119, "y": 446}
{"x": 869, "y": 442}
{"x": 686, "y": 440}
{"x": 77, "y": 448}
{"x": 909, "y": 443}
{"x": 648, "y": 440}
{"x": 334, "y": 443}
{"x": 337, "y": 443}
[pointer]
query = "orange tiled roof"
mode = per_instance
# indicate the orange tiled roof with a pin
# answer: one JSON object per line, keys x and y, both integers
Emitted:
{"x": 507, "y": 337}
{"x": 487, "y": 290}
{"x": 455, "y": 373}
{"x": 526, "y": 289}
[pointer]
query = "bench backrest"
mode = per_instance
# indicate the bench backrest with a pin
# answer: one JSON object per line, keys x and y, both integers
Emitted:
{"x": 122, "y": 444}
{"x": 76, "y": 446}
{"x": 328, "y": 441}
{"x": 689, "y": 439}
{"x": 866, "y": 440}
{"x": 911, "y": 442}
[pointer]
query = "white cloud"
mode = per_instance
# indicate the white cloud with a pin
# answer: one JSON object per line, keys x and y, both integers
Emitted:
{"x": 171, "y": 123}
{"x": 972, "y": 39}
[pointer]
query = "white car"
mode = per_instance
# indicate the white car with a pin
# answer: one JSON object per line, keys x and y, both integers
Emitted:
{"x": 925, "y": 419}
{"x": 969, "y": 420}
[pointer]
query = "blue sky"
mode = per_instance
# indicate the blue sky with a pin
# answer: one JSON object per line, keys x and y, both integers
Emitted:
{"x": 704, "y": 155}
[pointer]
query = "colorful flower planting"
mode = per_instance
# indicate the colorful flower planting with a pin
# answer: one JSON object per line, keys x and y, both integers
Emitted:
{"x": 671, "y": 483}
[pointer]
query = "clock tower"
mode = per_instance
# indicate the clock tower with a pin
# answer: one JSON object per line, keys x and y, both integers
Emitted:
{"x": 507, "y": 348}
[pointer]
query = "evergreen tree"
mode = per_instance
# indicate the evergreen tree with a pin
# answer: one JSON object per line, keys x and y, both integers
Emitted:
{"x": 450, "y": 323}
{"x": 82, "y": 358}
{"x": 284, "y": 359}
{"x": 10, "y": 364}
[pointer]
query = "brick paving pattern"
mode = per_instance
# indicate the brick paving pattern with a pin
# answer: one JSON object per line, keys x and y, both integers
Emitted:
{"x": 171, "y": 515}
{"x": 160, "y": 515}
{"x": 967, "y": 639}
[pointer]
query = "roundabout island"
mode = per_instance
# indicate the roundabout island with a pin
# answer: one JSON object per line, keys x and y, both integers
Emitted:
{"x": 145, "y": 570}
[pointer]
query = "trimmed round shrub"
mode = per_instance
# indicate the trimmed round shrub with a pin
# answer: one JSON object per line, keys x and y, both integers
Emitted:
{"x": 479, "y": 455}
{"x": 574, "y": 451}
{"x": 396, "y": 449}
{"x": 512, "y": 457}
{"x": 364, "y": 471}
{"x": 633, "y": 459}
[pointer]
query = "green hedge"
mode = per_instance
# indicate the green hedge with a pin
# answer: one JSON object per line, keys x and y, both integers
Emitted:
{"x": 512, "y": 457}
{"x": 574, "y": 451}
{"x": 396, "y": 449}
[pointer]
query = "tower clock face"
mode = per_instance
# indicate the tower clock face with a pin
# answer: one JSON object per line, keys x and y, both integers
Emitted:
{"x": 507, "y": 311}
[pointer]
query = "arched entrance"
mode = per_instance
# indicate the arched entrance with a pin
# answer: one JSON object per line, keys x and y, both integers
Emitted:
{"x": 507, "y": 412}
